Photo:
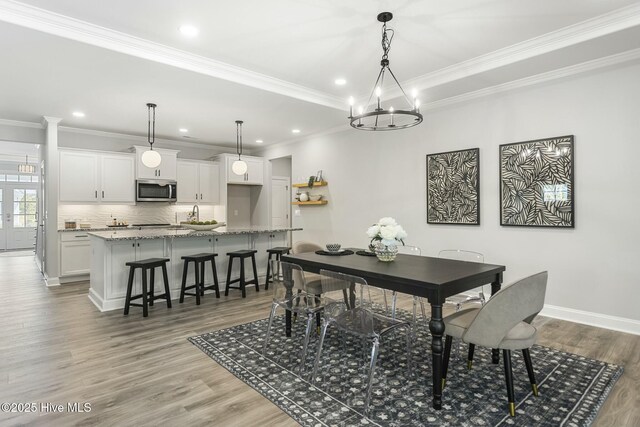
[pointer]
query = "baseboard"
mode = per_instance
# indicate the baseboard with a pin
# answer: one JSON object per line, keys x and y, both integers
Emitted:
{"x": 74, "y": 279}
{"x": 51, "y": 281}
{"x": 606, "y": 321}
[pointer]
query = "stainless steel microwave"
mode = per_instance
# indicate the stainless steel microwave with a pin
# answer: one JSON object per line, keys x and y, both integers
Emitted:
{"x": 155, "y": 190}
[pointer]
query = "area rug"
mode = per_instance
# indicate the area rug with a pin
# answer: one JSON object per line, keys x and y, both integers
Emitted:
{"x": 572, "y": 388}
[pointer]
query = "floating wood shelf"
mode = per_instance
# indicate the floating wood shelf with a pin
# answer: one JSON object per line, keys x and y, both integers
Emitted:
{"x": 319, "y": 202}
{"x": 306, "y": 184}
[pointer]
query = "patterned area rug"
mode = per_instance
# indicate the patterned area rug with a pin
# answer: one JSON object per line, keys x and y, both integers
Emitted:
{"x": 572, "y": 387}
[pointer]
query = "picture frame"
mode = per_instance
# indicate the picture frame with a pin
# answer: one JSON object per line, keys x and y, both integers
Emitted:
{"x": 453, "y": 187}
{"x": 537, "y": 183}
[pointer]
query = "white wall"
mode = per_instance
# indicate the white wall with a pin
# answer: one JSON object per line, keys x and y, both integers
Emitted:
{"x": 591, "y": 267}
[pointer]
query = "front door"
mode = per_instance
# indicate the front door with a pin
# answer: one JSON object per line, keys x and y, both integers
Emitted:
{"x": 18, "y": 205}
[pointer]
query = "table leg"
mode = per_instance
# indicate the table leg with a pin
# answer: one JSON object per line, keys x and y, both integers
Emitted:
{"x": 287, "y": 280}
{"x": 495, "y": 287}
{"x": 436, "y": 326}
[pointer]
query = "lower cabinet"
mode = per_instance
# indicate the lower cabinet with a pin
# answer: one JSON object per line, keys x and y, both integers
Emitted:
{"x": 75, "y": 254}
{"x": 184, "y": 247}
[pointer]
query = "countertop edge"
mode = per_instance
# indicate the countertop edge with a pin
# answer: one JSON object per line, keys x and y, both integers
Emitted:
{"x": 192, "y": 234}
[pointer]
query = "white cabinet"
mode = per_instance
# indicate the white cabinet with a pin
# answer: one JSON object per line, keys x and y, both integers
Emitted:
{"x": 166, "y": 170}
{"x": 198, "y": 182}
{"x": 134, "y": 250}
{"x": 95, "y": 177}
{"x": 254, "y": 175}
{"x": 117, "y": 179}
{"x": 75, "y": 253}
{"x": 79, "y": 176}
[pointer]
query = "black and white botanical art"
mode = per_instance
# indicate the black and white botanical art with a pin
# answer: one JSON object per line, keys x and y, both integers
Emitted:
{"x": 453, "y": 187}
{"x": 536, "y": 183}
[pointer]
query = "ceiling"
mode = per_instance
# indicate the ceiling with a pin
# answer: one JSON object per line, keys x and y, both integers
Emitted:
{"x": 273, "y": 64}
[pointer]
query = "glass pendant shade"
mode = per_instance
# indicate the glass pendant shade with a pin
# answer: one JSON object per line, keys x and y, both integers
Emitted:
{"x": 239, "y": 167}
{"x": 151, "y": 159}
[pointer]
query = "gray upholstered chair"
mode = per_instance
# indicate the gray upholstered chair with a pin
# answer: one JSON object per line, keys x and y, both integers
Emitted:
{"x": 502, "y": 323}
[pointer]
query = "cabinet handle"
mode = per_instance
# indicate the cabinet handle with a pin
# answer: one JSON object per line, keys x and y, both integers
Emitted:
{"x": 138, "y": 244}
{"x": 200, "y": 196}
{"x": 196, "y": 196}
{"x": 81, "y": 235}
{"x": 103, "y": 194}
{"x": 96, "y": 194}
{"x": 133, "y": 245}
{"x": 159, "y": 172}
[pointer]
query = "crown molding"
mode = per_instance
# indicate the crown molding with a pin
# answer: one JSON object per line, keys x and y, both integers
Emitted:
{"x": 537, "y": 79}
{"x": 75, "y": 29}
{"x": 17, "y": 123}
{"x": 143, "y": 139}
{"x": 599, "y": 26}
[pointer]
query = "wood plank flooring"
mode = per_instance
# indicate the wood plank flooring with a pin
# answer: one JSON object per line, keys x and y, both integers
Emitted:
{"x": 56, "y": 347}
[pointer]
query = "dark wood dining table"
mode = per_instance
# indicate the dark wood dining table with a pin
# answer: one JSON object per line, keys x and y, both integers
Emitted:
{"x": 432, "y": 278}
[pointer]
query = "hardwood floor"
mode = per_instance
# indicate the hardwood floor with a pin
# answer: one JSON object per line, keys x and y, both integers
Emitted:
{"x": 56, "y": 347}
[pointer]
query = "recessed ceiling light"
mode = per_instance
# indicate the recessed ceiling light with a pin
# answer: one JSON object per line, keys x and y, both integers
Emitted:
{"x": 183, "y": 130}
{"x": 78, "y": 114}
{"x": 340, "y": 82}
{"x": 295, "y": 130}
{"x": 259, "y": 141}
{"x": 188, "y": 30}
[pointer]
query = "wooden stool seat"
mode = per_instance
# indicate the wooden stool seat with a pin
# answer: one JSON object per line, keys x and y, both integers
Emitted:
{"x": 278, "y": 251}
{"x": 148, "y": 298}
{"x": 242, "y": 282}
{"x": 199, "y": 261}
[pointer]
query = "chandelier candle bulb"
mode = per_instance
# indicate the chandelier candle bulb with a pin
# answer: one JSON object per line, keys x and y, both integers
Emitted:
{"x": 378, "y": 93}
{"x": 351, "y": 106}
{"x": 391, "y": 113}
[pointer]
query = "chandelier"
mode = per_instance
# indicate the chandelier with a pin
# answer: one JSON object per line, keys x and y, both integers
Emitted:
{"x": 150, "y": 158}
{"x": 239, "y": 167}
{"x": 26, "y": 167}
{"x": 390, "y": 118}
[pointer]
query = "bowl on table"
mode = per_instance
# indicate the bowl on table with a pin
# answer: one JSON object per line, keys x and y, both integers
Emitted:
{"x": 333, "y": 247}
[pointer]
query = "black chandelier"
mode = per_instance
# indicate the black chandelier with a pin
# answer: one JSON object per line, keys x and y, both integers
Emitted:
{"x": 379, "y": 118}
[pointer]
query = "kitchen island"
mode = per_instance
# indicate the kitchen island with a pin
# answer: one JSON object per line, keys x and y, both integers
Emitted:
{"x": 110, "y": 250}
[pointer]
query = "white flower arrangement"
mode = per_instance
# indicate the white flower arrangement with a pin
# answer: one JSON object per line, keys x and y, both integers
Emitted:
{"x": 387, "y": 231}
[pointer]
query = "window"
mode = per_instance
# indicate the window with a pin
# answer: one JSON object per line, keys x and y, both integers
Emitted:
{"x": 24, "y": 208}
{"x": 1, "y": 219}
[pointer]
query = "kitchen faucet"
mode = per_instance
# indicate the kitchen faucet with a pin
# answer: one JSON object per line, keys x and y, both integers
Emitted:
{"x": 196, "y": 212}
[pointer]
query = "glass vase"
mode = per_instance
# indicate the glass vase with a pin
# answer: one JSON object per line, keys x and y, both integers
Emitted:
{"x": 386, "y": 253}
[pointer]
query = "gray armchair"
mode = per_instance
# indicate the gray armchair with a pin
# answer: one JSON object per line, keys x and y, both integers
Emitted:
{"x": 502, "y": 323}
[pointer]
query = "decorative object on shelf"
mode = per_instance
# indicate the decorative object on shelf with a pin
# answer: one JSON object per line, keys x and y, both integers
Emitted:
{"x": 390, "y": 118}
{"x": 304, "y": 197}
{"x": 536, "y": 183}
{"x": 315, "y": 197}
{"x": 453, "y": 187}
{"x": 385, "y": 236}
{"x": 312, "y": 180}
{"x": 26, "y": 167}
{"x": 150, "y": 158}
{"x": 239, "y": 167}
{"x": 319, "y": 176}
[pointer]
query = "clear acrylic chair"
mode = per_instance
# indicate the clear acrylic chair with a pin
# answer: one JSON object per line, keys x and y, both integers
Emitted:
{"x": 290, "y": 277}
{"x": 407, "y": 250}
{"x": 477, "y": 295}
{"x": 356, "y": 317}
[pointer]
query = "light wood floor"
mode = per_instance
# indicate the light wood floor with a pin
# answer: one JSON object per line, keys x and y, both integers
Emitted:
{"x": 56, "y": 347}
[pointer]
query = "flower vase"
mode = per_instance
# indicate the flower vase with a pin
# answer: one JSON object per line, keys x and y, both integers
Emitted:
{"x": 386, "y": 253}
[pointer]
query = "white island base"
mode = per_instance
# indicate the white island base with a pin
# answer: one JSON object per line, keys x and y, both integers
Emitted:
{"x": 111, "y": 250}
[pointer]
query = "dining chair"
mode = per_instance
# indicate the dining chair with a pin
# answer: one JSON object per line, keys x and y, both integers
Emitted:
{"x": 503, "y": 322}
{"x": 357, "y": 319}
{"x": 312, "y": 279}
{"x": 473, "y": 295}
{"x": 288, "y": 276}
{"x": 407, "y": 250}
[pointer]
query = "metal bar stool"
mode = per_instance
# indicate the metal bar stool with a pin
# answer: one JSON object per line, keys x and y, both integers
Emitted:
{"x": 278, "y": 252}
{"x": 199, "y": 261}
{"x": 242, "y": 255}
{"x": 147, "y": 297}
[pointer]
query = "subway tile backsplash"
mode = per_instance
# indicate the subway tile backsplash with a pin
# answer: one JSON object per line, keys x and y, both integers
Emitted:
{"x": 142, "y": 213}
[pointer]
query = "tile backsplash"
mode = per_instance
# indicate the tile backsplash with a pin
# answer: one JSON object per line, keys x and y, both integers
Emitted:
{"x": 142, "y": 213}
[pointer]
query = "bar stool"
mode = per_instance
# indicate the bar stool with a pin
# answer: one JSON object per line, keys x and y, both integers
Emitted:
{"x": 199, "y": 261}
{"x": 278, "y": 252}
{"x": 242, "y": 255}
{"x": 147, "y": 297}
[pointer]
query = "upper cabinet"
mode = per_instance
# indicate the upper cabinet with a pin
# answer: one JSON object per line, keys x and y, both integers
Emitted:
{"x": 94, "y": 177}
{"x": 254, "y": 174}
{"x": 166, "y": 170}
{"x": 198, "y": 182}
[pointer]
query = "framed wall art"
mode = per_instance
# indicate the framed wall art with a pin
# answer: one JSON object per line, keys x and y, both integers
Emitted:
{"x": 537, "y": 183}
{"x": 453, "y": 187}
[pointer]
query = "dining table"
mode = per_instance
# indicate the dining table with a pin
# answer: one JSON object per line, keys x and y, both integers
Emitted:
{"x": 432, "y": 278}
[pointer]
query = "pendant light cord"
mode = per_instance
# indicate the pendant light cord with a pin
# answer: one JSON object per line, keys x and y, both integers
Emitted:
{"x": 151, "y": 132}
{"x": 239, "y": 138}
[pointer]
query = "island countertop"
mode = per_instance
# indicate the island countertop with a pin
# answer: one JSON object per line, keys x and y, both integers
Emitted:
{"x": 160, "y": 233}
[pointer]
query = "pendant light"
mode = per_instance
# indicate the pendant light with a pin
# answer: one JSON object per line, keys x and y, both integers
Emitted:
{"x": 239, "y": 167}
{"x": 150, "y": 158}
{"x": 26, "y": 167}
{"x": 380, "y": 118}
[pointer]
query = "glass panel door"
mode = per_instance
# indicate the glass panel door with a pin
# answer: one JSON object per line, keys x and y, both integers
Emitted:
{"x": 3, "y": 219}
{"x": 20, "y": 215}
